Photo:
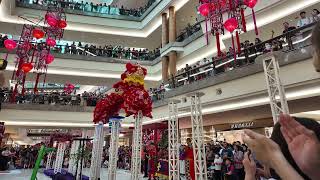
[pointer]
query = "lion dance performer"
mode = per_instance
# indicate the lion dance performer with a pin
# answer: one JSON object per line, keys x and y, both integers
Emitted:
{"x": 190, "y": 173}
{"x": 129, "y": 95}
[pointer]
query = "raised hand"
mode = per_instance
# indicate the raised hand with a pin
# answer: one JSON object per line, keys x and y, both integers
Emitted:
{"x": 249, "y": 167}
{"x": 263, "y": 147}
{"x": 303, "y": 145}
{"x": 269, "y": 153}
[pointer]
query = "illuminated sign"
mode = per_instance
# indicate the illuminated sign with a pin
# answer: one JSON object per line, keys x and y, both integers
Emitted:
{"x": 242, "y": 125}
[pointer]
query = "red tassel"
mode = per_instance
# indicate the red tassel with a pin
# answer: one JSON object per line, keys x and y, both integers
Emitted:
{"x": 238, "y": 42}
{"x": 35, "y": 90}
{"x": 255, "y": 22}
{"x": 207, "y": 36}
{"x": 218, "y": 43}
{"x": 230, "y": 5}
{"x": 23, "y": 83}
{"x": 234, "y": 51}
{"x": 45, "y": 77}
{"x": 34, "y": 50}
{"x": 244, "y": 26}
{"x": 13, "y": 96}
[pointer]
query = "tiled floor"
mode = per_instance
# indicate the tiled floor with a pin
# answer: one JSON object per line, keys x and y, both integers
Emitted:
{"x": 25, "y": 174}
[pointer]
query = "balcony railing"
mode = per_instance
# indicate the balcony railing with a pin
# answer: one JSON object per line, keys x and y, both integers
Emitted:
{"x": 189, "y": 31}
{"x": 95, "y": 10}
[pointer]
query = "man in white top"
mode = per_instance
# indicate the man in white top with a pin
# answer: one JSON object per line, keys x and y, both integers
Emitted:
{"x": 303, "y": 20}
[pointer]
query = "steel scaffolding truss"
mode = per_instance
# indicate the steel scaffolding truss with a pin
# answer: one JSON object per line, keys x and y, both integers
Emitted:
{"x": 59, "y": 157}
{"x": 97, "y": 152}
{"x": 174, "y": 173}
{"x": 113, "y": 151}
{"x": 136, "y": 148}
{"x": 197, "y": 137}
{"x": 73, "y": 157}
{"x": 49, "y": 160}
{"x": 278, "y": 101}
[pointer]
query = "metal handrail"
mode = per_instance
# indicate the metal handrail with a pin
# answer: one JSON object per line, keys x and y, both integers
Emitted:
{"x": 227, "y": 59}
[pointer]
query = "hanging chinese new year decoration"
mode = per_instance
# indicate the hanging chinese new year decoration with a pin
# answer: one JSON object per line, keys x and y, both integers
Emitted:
{"x": 53, "y": 32}
{"x": 214, "y": 12}
{"x": 130, "y": 95}
{"x": 29, "y": 56}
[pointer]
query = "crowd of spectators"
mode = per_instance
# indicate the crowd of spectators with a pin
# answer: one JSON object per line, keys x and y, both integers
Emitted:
{"x": 188, "y": 31}
{"x": 53, "y": 97}
{"x": 223, "y": 159}
{"x": 249, "y": 52}
{"x": 157, "y": 94}
{"x": 18, "y": 157}
{"x": 118, "y": 52}
{"x": 106, "y": 51}
{"x": 56, "y": 97}
{"x": 91, "y": 7}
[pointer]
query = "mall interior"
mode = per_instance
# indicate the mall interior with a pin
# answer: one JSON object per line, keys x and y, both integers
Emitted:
{"x": 159, "y": 89}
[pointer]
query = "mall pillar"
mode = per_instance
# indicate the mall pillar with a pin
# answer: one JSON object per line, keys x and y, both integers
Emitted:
{"x": 165, "y": 40}
{"x": 165, "y": 67}
{"x": 172, "y": 39}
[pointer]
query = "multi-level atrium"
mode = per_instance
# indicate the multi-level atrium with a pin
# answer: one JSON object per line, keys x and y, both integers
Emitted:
{"x": 159, "y": 89}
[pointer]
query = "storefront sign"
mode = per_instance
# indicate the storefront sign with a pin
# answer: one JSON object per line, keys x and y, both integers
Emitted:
{"x": 242, "y": 125}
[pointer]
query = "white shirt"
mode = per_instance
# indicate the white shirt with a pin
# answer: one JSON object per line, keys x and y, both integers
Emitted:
{"x": 217, "y": 163}
{"x": 303, "y": 22}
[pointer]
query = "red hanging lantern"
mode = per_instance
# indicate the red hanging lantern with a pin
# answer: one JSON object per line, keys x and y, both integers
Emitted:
{"x": 204, "y": 9}
{"x": 52, "y": 21}
{"x": 250, "y": 3}
{"x": 62, "y": 24}
{"x": 231, "y": 24}
{"x": 10, "y": 44}
{"x": 26, "y": 67}
{"x": 37, "y": 33}
{"x": 51, "y": 42}
{"x": 50, "y": 59}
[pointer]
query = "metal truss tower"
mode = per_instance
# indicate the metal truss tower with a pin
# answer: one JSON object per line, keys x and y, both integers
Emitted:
{"x": 113, "y": 152}
{"x": 199, "y": 152}
{"x": 278, "y": 101}
{"x": 97, "y": 152}
{"x": 174, "y": 173}
{"x": 136, "y": 148}
{"x": 59, "y": 157}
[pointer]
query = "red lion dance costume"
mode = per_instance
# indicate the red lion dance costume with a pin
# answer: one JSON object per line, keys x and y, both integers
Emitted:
{"x": 130, "y": 95}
